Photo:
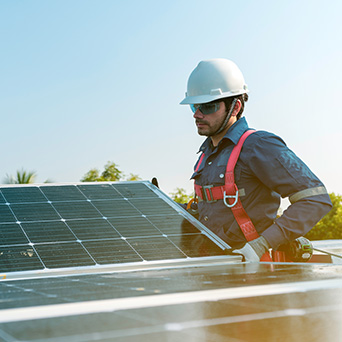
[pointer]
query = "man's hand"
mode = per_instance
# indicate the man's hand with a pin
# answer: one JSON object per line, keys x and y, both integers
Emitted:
{"x": 248, "y": 253}
{"x": 254, "y": 250}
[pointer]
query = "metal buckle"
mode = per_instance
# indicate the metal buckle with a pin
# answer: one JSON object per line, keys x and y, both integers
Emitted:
{"x": 204, "y": 193}
{"x": 236, "y": 196}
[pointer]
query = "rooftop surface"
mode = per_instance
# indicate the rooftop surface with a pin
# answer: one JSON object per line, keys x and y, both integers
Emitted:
{"x": 194, "y": 294}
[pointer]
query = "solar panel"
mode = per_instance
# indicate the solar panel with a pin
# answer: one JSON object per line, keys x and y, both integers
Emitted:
{"x": 73, "y": 268}
{"x": 53, "y": 226}
{"x": 235, "y": 302}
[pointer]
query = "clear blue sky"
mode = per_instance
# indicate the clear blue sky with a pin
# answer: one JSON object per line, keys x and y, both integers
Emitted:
{"x": 84, "y": 82}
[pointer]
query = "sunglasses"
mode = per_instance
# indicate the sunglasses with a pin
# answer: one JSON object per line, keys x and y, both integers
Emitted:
{"x": 206, "y": 108}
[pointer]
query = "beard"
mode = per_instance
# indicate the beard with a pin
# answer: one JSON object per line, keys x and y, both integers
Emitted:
{"x": 204, "y": 128}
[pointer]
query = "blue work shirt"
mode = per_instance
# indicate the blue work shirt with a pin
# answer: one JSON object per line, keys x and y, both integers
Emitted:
{"x": 265, "y": 171}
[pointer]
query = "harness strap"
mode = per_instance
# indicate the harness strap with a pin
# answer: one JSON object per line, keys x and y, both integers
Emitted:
{"x": 212, "y": 193}
{"x": 231, "y": 189}
{"x": 230, "y": 192}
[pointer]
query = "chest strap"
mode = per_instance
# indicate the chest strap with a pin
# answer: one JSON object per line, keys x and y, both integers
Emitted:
{"x": 230, "y": 194}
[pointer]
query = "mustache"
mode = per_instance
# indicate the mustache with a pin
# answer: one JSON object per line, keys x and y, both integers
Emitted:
{"x": 198, "y": 121}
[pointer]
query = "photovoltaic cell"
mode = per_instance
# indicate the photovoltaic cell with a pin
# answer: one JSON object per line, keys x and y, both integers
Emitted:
{"x": 34, "y": 212}
{"x": 65, "y": 193}
{"x": 47, "y": 231}
{"x": 92, "y": 229}
{"x": 134, "y": 226}
{"x": 74, "y": 210}
{"x": 19, "y": 258}
{"x": 63, "y": 226}
{"x": 115, "y": 208}
{"x": 156, "y": 248}
{"x": 59, "y": 255}
{"x": 12, "y": 234}
{"x": 101, "y": 191}
{"x": 153, "y": 206}
{"x": 139, "y": 190}
{"x": 112, "y": 251}
{"x": 5, "y": 214}
{"x": 23, "y": 195}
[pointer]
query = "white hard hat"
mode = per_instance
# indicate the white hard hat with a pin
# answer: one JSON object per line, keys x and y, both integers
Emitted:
{"x": 214, "y": 79}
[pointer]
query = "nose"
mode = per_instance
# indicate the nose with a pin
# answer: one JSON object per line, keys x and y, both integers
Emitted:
{"x": 198, "y": 114}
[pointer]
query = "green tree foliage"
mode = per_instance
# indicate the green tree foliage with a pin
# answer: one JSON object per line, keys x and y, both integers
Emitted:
{"x": 22, "y": 177}
{"x": 133, "y": 177}
{"x": 180, "y": 196}
{"x": 330, "y": 227}
{"x": 111, "y": 173}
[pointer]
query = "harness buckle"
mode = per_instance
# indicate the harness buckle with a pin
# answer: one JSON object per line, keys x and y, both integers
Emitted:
{"x": 236, "y": 197}
{"x": 206, "y": 188}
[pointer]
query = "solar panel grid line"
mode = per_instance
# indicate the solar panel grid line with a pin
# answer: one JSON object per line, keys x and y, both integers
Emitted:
{"x": 34, "y": 245}
{"x": 64, "y": 211}
{"x": 149, "y": 236}
{"x": 62, "y": 219}
{"x": 79, "y": 241}
{"x": 23, "y": 231}
{"x": 130, "y": 245}
{"x": 47, "y": 201}
{"x": 206, "y": 231}
{"x": 164, "y": 235}
{"x": 147, "y": 301}
{"x": 22, "y": 289}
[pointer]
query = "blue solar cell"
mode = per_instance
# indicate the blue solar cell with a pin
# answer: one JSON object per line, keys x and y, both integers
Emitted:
{"x": 68, "y": 226}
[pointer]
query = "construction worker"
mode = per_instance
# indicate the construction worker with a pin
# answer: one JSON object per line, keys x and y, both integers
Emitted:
{"x": 266, "y": 169}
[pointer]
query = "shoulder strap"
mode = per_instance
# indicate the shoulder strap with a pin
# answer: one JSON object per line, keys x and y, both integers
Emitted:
{"x": 231, "y": 191}
{"x": 231, "y": 197}
{"x": 235, "y": 156}
{"x": 199, "y": 162}
{"x": 230, "y": 194}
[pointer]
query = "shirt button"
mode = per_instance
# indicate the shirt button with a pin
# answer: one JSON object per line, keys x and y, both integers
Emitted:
{"x": 210, "y": 163}
{"x": 206, "y": 218}
{"x": 221, "y": 175}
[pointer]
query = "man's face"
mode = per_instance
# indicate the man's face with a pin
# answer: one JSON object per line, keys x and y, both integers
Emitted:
{"x": 209, "y": 124}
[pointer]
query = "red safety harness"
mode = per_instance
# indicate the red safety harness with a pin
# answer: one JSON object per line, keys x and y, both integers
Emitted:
{"x": 229, "y": 192}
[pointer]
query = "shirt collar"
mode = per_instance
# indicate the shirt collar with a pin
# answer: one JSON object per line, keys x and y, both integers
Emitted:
{"x": 234, "y": 134}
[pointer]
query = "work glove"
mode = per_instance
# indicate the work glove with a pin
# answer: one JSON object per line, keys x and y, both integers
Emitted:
{"x": 253, "y": 250}
{"x": 248, "y": 253}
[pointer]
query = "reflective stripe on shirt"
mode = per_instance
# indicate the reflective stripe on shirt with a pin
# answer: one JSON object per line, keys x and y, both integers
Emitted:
{"x": 319, "y": 190}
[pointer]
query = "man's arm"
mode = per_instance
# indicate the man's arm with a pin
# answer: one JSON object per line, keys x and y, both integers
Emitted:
{"x": 281, "y": 170}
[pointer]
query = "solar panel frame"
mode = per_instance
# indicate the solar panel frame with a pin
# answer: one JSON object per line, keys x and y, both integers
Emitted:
{"x": 127, "y": 202}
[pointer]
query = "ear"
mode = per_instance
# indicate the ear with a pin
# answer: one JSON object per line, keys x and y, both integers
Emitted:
{"x": 237, "y": 108}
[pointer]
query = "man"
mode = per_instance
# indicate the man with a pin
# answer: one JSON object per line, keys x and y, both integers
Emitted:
{"x": 266, "y": 169}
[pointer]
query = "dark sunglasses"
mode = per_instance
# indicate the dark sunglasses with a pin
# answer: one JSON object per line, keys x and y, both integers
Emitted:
{"x": 206, "y": 108}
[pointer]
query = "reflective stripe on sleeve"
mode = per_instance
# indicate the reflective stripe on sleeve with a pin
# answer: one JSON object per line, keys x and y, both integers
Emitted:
{"x": 320, "y": 190}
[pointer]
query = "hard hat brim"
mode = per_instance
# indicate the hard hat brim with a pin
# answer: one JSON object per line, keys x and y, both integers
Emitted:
{"x": 209, "y": 98}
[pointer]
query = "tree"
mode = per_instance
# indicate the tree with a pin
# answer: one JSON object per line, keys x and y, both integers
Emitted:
{"x": 180, "y": 196}
{"x": 330, "y": 227}
{"x": 132, "y": 177}
{"x": 22, "y": 177}
{"x": 111, "y": 173}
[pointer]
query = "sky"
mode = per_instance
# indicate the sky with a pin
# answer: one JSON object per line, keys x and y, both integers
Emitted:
{"x": 84, "y": 82}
